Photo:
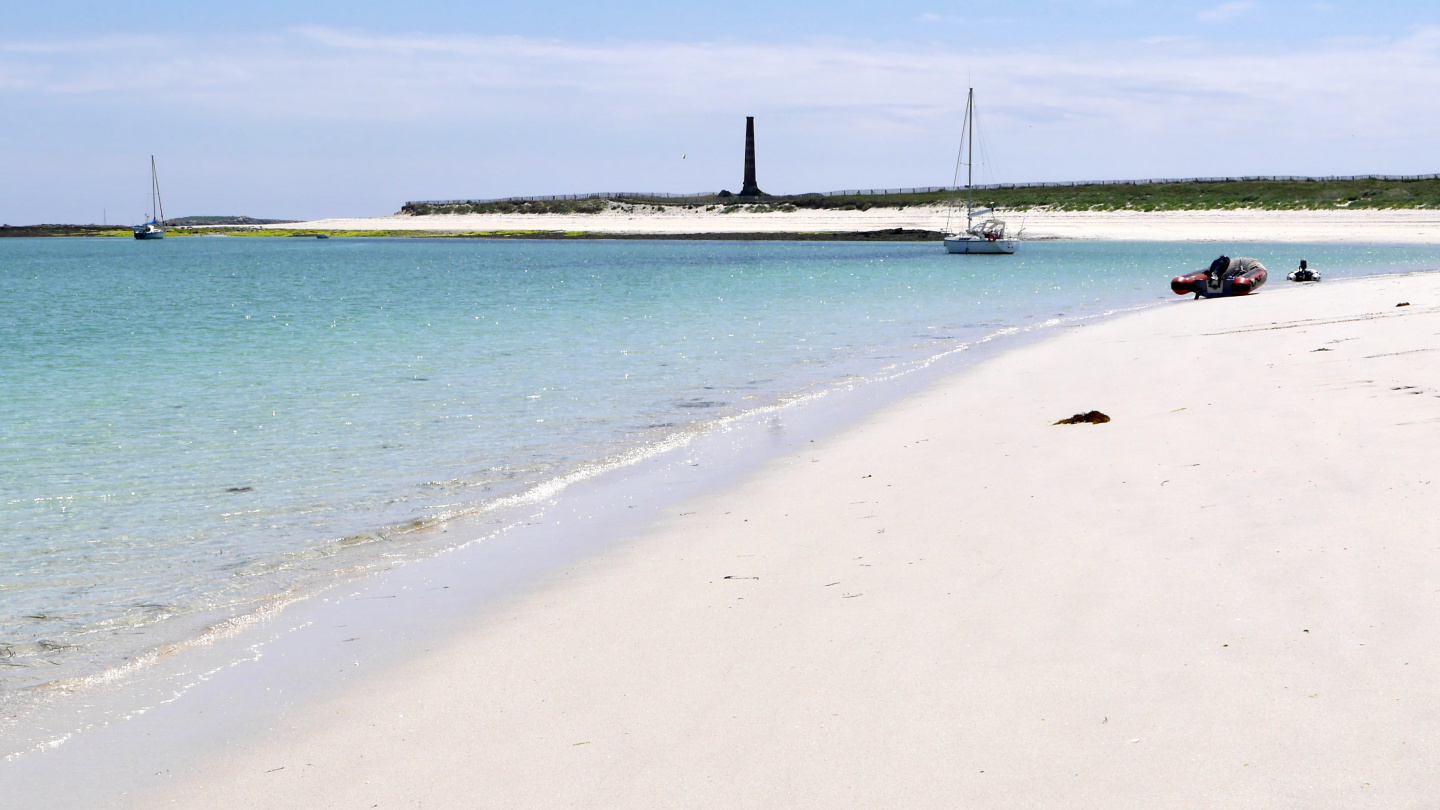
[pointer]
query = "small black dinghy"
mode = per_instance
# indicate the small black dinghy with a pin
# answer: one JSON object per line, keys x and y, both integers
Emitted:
{"x": 1304, "y": 273}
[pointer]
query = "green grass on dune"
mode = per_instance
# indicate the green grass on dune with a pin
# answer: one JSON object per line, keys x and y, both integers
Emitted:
{"x": 1279, "y": 195}
{"x": 1276, "y": 195}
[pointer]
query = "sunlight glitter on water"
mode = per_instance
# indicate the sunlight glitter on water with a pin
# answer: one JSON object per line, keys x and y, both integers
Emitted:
{"x": 192, "y": 428}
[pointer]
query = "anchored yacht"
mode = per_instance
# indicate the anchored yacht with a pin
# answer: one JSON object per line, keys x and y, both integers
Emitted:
{"x": 152, "y": 229}
{"x": 983, "y": 232}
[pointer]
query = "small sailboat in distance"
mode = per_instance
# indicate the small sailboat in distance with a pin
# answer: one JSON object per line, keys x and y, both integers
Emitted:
{"x": 152, "y": 229}
{"x": 983, "y": 233}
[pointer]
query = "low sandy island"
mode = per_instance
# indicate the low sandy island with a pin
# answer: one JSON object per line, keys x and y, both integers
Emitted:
{"x": 1227, "y": 596}
{"x": 1400, "y": 226}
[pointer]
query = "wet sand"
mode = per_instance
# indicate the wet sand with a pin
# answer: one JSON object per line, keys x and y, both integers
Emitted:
{"x": 1226, "y": 596}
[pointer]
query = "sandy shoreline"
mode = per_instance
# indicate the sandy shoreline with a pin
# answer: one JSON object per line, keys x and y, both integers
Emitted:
{"x": 1223, "y": 597}
{"x": 1408, "y": 226}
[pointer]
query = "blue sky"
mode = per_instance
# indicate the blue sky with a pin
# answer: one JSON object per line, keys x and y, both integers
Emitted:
{"x": 303, "y": 110}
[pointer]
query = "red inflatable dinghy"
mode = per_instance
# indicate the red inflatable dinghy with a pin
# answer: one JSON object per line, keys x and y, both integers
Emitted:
{"x": 1226, "y": 276}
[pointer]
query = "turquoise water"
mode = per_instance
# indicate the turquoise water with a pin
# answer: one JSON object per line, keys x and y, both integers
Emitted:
{"x": 190, "y": 427}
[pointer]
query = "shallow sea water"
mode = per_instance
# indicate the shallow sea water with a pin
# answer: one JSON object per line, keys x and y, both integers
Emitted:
{"x": 189, "y": 428}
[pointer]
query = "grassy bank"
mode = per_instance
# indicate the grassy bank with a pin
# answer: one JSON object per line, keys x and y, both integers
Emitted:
{"x": 1279, "y": 195}
{"x": 63, "y": 230}
{"x": 888, "y": 235}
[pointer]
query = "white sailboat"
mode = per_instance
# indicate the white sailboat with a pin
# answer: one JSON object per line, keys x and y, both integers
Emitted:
{"x": 152, "y": 229}
{"x": 983, "y": 232}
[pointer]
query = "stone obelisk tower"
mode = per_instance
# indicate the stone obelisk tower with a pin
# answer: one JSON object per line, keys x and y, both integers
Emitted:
{"x": 750, "y": 189}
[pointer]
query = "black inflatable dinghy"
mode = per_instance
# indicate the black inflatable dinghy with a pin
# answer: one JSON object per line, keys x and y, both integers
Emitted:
{"x": 1304, "y": 273}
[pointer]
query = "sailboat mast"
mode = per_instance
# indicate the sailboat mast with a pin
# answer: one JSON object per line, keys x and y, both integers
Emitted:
{"x": 970, "y": 160}
{"x": 157, "y": 205}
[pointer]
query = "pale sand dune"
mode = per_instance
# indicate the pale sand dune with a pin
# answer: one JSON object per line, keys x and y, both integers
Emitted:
{"x": 1226, "y": 597}
{"x": 1388, "y": 227}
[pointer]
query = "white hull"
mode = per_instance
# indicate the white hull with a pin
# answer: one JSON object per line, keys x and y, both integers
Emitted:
{"x": 973, "y": 244}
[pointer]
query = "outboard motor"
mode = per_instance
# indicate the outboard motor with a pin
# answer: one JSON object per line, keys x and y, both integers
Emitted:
{"x": 1215, "y": 276}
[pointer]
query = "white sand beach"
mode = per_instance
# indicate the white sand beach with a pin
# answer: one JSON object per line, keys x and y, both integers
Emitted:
{"x": 1224, "y": 597}
{"x": 1396, "y": 226}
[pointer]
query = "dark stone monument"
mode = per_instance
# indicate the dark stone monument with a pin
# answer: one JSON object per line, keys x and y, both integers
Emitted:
{"x": 750, "y": 189}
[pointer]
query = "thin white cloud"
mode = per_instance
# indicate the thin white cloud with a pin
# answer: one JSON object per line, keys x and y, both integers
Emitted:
{"x": 323, "y": 74}
{"x": 545, "y": 116}
{"x": 1226, "y": 11}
